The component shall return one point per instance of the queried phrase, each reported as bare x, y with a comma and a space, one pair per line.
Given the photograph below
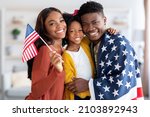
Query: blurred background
130, 17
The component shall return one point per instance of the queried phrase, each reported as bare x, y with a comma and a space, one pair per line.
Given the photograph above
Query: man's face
93, 25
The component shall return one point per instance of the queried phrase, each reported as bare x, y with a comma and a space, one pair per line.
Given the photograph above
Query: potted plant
15, 32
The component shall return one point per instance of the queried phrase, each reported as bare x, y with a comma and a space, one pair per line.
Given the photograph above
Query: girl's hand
112, 31
56, 61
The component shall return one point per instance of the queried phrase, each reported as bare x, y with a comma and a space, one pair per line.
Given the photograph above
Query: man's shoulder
116, 38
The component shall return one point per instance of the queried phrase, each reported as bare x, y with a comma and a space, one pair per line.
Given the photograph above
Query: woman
44, 70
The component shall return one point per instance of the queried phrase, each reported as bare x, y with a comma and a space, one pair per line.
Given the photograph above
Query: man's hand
78, 85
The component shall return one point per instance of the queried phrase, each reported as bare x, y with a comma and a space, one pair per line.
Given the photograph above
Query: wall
69, 5
136, 7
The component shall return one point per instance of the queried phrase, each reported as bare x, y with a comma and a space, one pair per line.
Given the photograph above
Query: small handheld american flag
29, 49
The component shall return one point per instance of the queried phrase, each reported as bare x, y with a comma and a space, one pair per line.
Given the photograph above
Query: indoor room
129, 17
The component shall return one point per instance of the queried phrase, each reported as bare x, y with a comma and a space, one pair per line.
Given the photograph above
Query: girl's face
75, 33
55, 25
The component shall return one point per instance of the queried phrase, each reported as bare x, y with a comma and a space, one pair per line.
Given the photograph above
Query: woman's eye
51, 24
62, 20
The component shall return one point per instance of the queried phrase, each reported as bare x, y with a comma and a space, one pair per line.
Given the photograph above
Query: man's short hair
90, 7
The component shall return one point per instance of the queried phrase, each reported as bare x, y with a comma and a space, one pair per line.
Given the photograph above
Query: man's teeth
93, 33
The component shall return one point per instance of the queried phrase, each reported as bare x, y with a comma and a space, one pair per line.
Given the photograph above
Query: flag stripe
31, 41
29, 49
32, 35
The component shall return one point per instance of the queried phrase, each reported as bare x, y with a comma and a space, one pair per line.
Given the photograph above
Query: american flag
29, 49
118, 74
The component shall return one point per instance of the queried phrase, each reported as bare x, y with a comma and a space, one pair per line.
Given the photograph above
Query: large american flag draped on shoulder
118, 74
29, 49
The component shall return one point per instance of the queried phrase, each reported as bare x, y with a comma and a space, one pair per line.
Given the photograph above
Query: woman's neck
58, 45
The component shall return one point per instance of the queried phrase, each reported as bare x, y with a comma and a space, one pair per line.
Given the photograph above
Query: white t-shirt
82, 64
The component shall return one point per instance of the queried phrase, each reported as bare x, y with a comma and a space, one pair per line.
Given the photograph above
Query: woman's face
55, 25
75, 33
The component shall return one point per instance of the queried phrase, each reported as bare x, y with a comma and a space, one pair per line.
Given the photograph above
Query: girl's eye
71, 31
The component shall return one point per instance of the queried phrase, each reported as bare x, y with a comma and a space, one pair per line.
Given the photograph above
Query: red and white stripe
30, 39
30, 50
136, 93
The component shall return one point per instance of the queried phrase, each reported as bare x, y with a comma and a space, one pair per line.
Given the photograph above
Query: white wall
69, 5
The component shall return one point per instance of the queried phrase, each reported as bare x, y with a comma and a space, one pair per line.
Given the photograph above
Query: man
117, 74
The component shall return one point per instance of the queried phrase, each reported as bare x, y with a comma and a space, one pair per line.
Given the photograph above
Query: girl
47, 78
77, 58
78, 63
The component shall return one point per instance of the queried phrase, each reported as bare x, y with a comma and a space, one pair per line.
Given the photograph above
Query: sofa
15, 85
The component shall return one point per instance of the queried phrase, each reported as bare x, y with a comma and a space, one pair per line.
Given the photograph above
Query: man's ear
105, 20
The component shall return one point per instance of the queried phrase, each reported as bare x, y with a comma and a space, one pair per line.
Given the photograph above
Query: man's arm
78, 85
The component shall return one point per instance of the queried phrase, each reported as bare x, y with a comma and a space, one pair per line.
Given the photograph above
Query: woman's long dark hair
41, 30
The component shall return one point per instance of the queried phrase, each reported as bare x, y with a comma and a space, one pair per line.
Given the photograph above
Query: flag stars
117, 66
106, 57
98, 84
111, 79
128, 85
125, 62
123, 42
120, 36
125, 52
107, 36
116, 57
106, 88
111, 41
104, 77
137, 70
131, 63
102, 71
101, 64
123, 72
104, 48
101, 96
119, 83
109, 72
130, 74
131, 53
135, 57
114, 48
115, 93
109, 63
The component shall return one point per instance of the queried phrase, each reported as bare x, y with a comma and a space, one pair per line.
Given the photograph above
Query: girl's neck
73, 47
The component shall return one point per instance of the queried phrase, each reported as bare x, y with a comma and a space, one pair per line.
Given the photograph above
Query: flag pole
59, 65
45, 43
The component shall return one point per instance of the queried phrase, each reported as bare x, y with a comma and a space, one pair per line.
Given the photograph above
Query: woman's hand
56, 61
112, 31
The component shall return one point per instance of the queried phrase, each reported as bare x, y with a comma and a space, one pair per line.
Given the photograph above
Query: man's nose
90, 27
